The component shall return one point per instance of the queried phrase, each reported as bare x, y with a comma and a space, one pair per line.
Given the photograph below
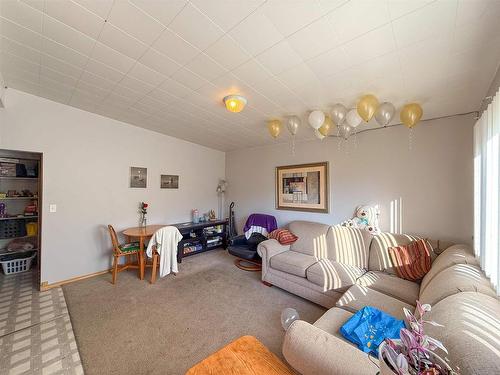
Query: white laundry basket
17, 265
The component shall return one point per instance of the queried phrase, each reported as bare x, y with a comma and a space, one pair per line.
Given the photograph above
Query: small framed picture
138, 177
169, 181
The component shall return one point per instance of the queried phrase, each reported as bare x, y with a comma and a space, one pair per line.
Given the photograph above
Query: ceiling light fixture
235, 103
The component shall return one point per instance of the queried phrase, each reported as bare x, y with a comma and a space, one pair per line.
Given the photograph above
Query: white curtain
487, 191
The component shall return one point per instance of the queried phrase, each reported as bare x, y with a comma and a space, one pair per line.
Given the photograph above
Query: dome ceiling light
235, 103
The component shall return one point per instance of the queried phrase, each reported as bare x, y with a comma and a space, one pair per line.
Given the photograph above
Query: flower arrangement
414, 353
143, 210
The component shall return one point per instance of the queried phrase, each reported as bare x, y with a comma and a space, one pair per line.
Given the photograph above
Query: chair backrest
114, 240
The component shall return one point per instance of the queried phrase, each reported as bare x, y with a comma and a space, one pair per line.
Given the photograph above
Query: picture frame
303, 187
138, 177
169, 181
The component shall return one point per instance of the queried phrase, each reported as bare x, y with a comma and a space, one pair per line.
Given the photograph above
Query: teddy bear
366, 218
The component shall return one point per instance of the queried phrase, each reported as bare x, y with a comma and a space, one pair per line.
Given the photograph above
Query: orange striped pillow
283, 236
411, 261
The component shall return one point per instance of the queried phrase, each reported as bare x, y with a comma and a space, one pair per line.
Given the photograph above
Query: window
487, 191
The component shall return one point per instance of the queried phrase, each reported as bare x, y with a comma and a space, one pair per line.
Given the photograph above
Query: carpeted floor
134, 327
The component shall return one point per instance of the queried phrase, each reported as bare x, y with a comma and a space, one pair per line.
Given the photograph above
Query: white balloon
288, 316
316, 119
339, 111
318, 134
293, 123
353, 118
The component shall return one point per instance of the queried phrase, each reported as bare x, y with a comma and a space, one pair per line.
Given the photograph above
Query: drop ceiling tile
82, 101
147, 75
358, 17
225, 13
36, 4
21, 14
163, 11
123, 89
23, 85
63, 53
227, 53
330, 62
399, 8
60, 66
298, 75
55, 95
136, 85
112, 58
121, 98
20, 34
473, 34
205, 67
434, 20
12, 72
20, 50
159, 62
290, 16
279, 57
97, 81
189, 79
149, 105
163, 97
314, 39
370, 45
61, 33
58, 77
18, 63
75, 16
135, 22
122, 42
99, 7
204, 34
54, 85
95, 92
102, 70
175, 88
253, 74
256, 33
175, 47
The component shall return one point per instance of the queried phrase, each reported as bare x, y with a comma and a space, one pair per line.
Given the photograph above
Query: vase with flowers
413, 353
143, 210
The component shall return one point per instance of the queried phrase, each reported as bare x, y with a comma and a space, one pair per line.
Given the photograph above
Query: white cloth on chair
165, 240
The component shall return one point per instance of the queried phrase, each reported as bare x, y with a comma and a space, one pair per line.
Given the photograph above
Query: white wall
434, 179
86, 173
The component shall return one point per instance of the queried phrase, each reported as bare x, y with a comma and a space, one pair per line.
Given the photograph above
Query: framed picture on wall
138, 177
302, 187
168, 181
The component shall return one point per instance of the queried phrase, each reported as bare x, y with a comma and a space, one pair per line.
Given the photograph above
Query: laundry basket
17, 263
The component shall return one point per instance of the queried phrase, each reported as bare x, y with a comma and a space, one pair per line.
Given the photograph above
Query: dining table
142, 234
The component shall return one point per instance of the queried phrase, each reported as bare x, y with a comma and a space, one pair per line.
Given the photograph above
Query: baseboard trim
46, 286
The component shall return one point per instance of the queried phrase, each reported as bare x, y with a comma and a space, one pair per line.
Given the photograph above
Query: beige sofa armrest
312, 351
267, 249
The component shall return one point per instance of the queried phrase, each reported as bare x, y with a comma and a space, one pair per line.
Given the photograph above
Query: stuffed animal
366, 218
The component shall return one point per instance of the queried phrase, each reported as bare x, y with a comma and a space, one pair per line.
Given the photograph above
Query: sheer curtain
487, 191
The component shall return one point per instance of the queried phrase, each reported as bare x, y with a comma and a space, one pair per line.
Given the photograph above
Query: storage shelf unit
18, 218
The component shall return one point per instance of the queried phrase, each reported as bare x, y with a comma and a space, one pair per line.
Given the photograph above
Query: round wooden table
141, 233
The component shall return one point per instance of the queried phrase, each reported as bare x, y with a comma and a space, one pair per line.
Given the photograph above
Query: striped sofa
345, 269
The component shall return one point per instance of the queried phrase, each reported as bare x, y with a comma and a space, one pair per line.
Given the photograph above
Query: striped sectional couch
345, 269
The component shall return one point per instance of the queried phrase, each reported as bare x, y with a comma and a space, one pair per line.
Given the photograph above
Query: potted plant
413, 353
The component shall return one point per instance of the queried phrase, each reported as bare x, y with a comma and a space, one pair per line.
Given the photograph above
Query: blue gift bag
369, 327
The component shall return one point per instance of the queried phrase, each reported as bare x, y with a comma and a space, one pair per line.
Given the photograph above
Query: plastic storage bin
17, 263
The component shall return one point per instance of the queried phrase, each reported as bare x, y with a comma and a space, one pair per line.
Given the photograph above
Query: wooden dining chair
125, 250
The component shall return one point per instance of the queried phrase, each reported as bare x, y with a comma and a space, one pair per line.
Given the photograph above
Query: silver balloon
345, 130
385, 113
293, 123
338, 114
288, 316
353, 119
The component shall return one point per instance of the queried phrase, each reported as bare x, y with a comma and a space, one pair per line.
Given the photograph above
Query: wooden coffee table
244, 356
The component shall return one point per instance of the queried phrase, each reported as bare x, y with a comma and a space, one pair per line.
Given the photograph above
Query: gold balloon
367, 106
274, 127
327, 125
411, 114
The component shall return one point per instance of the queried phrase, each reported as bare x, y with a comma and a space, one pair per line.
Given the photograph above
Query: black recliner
245, 251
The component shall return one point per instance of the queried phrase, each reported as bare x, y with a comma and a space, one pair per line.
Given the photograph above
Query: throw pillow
283, 236
411, 261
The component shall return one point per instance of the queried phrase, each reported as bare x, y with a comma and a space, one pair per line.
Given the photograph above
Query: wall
86, 170
2, 91
434, 179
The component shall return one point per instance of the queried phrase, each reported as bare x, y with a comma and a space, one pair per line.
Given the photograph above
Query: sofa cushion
456, 254
312, 238
348, 245
455, 279
292, 262
332, 320
404, 290
471, 331
357, 297
333, 275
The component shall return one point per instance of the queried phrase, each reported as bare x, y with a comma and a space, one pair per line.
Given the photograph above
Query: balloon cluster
347, 121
